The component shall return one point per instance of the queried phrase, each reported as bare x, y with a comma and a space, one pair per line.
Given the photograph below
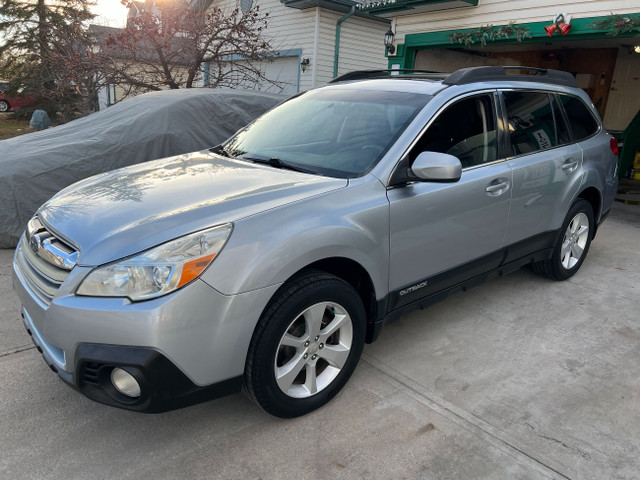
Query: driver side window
466, 129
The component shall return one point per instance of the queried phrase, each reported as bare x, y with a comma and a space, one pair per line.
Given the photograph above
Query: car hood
129, 210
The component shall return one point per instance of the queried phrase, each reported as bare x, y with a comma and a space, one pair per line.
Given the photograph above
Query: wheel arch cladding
593, 196
357, 276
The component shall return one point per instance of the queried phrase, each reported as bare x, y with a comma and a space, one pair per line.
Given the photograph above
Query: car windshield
340, 133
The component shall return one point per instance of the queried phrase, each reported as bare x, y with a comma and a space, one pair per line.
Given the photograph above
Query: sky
110, 12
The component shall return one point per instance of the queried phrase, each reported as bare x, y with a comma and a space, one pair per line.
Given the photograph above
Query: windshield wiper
219, 149
276, 163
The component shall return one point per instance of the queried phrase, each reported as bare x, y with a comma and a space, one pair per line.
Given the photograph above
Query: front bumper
163, 386
184, 347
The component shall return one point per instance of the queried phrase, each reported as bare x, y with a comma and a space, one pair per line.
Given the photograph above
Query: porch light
388, 41
304, 63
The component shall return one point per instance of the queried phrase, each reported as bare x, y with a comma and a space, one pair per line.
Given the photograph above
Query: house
582, 37
142, 69
315, 40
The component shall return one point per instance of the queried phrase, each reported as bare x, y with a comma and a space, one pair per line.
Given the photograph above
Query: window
466, 129
563, 133
336, 132
530, 122
580, 117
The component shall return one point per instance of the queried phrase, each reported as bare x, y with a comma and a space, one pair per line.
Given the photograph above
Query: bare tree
174, 48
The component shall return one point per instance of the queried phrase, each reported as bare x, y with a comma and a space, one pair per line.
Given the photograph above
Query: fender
268, 248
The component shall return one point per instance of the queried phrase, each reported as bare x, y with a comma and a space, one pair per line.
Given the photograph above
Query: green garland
488, 33
617, 24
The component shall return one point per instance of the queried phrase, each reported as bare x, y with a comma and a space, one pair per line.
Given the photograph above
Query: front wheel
306, 345
4, 106
572, 246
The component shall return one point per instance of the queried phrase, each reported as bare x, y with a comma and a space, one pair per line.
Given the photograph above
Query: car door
547, 169
443, 233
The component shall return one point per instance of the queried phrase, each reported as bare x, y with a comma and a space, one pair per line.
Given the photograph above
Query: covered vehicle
34, 167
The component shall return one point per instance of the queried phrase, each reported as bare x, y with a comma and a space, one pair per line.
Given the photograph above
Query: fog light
125, 383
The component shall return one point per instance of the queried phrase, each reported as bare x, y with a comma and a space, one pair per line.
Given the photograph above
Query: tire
306, 345
4, 106
572, 244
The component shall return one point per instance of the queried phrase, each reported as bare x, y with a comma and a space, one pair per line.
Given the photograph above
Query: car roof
426, 87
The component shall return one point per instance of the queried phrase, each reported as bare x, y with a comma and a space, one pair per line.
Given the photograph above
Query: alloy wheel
313, 349
574, 241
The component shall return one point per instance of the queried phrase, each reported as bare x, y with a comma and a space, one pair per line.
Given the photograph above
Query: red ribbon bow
563, 28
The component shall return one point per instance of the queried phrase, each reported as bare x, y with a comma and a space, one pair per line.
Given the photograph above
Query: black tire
4, 106
282, 315
554, 267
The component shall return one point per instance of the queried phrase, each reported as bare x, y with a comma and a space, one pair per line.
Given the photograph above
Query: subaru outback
267, 262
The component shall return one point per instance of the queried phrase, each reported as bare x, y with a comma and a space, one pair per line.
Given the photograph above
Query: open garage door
624, 96
607, 70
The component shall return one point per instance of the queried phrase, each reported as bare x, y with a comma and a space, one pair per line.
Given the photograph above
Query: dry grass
12, 128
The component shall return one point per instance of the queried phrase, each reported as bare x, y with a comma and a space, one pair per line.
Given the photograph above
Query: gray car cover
35, 166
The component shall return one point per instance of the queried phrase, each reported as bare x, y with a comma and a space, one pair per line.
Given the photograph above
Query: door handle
496, 189
570, 165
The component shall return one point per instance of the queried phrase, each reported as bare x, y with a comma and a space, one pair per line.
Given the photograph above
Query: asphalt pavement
521, 377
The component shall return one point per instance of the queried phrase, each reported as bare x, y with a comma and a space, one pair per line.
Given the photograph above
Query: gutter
336, 55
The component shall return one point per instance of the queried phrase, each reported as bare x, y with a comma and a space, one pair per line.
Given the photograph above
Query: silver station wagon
267, 262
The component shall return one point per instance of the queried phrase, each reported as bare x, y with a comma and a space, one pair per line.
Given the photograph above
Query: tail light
613, 144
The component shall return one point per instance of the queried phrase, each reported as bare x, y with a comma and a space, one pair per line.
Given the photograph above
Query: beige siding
499, 12
361, 44
287, 28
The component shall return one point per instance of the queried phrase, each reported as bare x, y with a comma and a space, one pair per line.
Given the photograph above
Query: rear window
530, 122
582, 122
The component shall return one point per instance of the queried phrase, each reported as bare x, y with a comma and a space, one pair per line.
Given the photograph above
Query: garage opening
607, 69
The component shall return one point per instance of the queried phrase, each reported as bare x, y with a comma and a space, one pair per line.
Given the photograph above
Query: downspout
314, 59
336, 56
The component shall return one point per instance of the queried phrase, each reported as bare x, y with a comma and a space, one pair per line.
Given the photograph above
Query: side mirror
436, 167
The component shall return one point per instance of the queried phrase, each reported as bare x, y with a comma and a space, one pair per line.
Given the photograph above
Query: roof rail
484, 74
469, 75
402, 72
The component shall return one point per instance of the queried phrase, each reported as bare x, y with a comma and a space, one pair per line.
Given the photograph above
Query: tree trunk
41, 10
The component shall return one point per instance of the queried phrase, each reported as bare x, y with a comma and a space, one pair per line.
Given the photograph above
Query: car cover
34, 167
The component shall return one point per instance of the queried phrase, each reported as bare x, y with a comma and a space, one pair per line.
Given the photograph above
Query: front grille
37, 266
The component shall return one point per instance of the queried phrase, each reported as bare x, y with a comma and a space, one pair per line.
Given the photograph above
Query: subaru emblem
34, 243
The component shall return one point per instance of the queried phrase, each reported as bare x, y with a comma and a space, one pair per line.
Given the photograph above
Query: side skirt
464, 277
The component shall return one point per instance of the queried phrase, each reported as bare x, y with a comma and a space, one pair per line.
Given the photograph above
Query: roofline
391, 7
342, 6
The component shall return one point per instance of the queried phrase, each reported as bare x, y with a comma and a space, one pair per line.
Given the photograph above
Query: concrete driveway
519, 378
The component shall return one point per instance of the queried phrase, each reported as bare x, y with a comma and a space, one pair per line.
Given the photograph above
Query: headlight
160, 270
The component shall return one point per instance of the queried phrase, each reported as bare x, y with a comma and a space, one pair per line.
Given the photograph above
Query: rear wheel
571, 248
306, 345
4, 106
